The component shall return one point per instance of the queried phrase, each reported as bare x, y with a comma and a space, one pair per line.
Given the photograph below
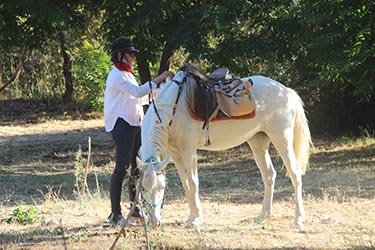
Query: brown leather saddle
219, 94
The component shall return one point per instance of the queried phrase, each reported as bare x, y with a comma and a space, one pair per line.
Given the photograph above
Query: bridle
150, 96
179, 84
151, 206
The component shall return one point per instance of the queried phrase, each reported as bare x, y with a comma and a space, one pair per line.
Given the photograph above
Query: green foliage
340, 38
34, 25
41, 79
22, 215
323, 49
90, 71
30, 23
81, 237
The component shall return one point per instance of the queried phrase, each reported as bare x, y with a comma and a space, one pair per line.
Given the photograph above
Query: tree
169, 25
30, 24
337, 44
341, 43
12, 50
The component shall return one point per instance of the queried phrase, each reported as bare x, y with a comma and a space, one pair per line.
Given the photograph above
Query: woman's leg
124, 137
134, 174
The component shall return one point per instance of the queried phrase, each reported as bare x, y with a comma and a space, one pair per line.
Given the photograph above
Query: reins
150, 206
178, 96
153, 102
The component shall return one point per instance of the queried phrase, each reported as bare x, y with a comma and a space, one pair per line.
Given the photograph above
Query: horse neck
154, 132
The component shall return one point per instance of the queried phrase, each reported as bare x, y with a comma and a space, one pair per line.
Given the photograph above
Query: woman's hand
161, 78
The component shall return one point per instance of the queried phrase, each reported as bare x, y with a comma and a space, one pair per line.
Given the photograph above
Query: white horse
169, 129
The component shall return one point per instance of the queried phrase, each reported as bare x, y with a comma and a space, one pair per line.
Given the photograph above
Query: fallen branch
134, 204
85, 185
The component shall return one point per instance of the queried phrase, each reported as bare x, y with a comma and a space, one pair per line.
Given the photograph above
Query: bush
22, 215
91, 67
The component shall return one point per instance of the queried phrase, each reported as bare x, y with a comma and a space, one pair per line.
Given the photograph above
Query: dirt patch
37, 167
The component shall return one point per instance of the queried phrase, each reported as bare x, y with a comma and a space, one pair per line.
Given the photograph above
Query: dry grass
37, 167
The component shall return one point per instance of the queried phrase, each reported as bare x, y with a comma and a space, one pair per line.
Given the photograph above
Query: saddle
219, 94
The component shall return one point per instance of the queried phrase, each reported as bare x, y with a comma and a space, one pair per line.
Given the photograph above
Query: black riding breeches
127, 143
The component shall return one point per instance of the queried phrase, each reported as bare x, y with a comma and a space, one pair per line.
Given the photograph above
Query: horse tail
302, 137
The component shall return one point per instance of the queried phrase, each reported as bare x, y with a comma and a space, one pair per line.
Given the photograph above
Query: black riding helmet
121, 44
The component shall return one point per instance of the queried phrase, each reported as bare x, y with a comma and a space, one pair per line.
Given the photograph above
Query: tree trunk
67, 70
1, 68
143, 70
165, 58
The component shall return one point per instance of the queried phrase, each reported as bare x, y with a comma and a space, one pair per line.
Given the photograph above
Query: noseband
149, 204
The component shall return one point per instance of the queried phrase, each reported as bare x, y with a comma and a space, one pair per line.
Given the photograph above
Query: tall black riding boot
115, 192
132, 190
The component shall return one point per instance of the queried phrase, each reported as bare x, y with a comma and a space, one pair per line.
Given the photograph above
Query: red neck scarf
123, 66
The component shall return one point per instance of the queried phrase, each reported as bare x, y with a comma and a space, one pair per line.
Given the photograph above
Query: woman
123, 114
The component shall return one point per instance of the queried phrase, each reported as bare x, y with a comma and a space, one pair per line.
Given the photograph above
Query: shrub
90, 70
22, 215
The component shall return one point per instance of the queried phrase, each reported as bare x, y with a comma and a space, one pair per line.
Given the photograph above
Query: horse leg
186, 164
259, 144
284, 146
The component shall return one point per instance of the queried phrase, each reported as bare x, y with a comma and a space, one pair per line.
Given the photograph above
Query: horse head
153, 184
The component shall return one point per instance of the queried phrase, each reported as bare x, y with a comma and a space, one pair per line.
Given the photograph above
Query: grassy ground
38, 181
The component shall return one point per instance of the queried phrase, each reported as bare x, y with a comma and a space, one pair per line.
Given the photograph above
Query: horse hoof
193, 227
262, 218
193, 224
298, 223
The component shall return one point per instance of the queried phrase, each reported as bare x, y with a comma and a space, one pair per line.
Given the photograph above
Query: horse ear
161, 165
140, 164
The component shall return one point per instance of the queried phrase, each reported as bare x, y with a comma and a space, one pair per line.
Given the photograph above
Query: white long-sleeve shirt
124, 98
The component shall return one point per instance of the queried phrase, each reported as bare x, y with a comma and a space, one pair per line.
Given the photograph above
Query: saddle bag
235, 99
236, 105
